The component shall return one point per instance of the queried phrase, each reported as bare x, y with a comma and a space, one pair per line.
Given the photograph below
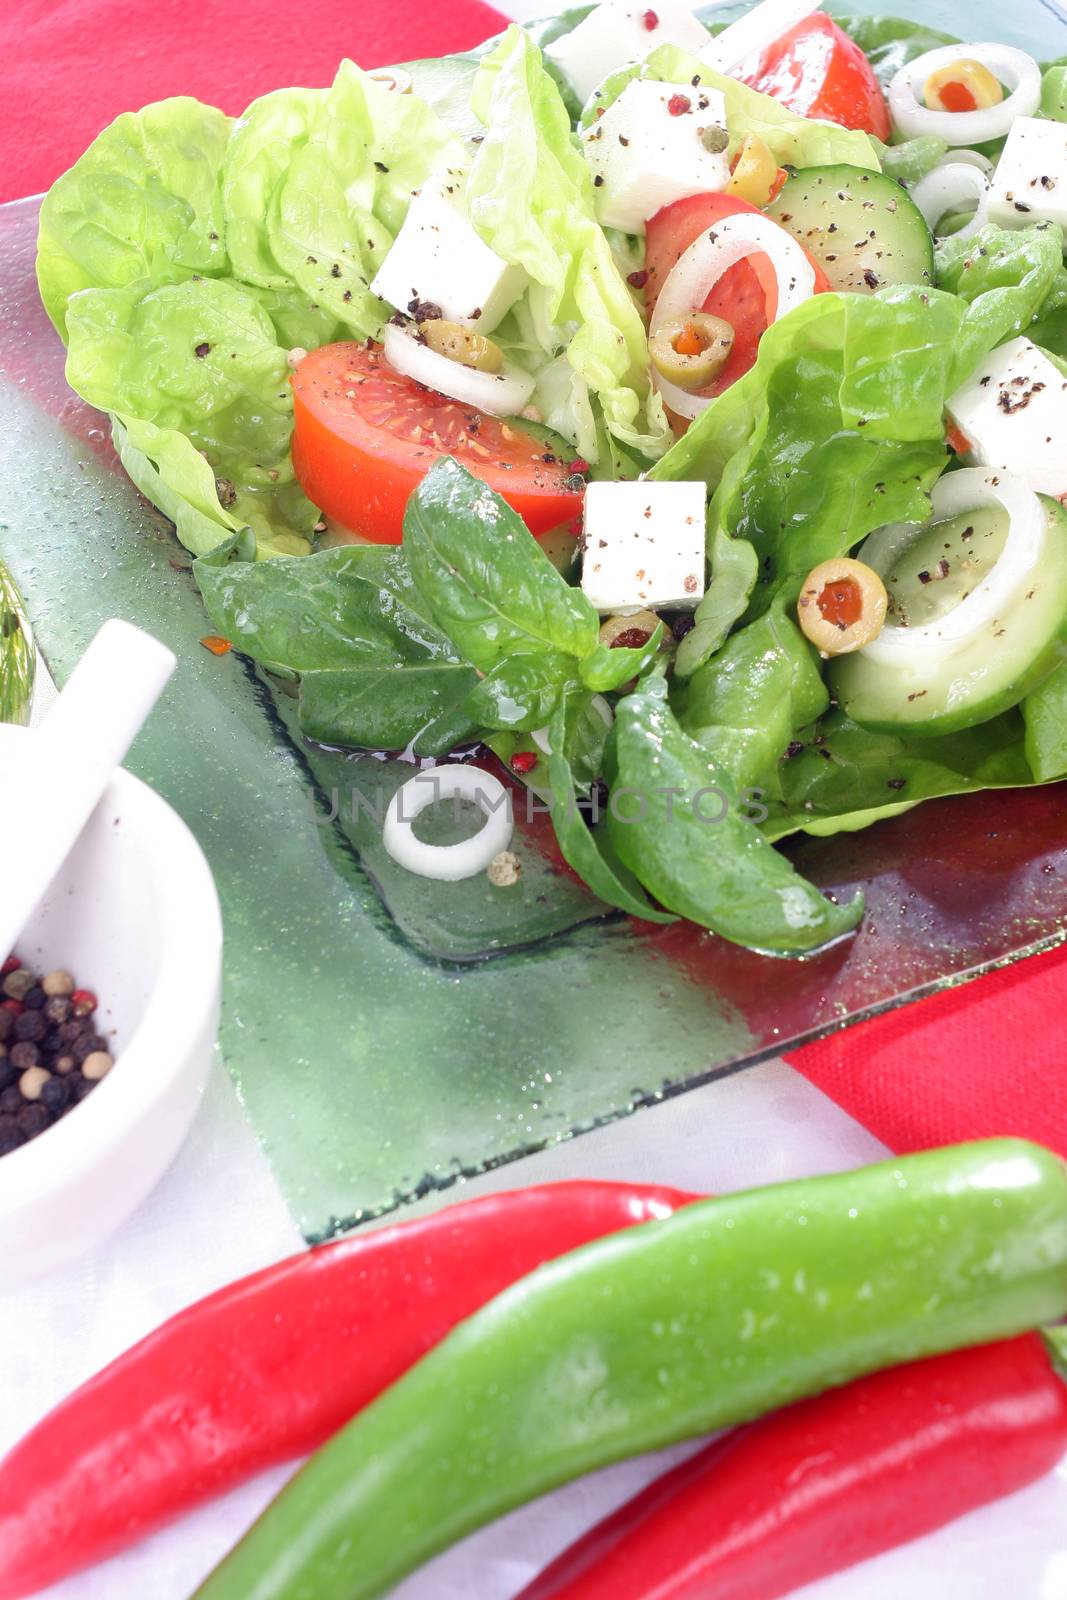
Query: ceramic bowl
134, 916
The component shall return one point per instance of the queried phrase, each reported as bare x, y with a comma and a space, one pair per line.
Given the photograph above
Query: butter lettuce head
185, 254
530, 195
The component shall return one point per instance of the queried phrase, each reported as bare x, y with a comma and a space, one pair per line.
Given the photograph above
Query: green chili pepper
730, 1308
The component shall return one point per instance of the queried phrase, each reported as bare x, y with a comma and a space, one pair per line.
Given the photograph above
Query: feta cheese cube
617, 32
1013, 413
648, 150
439, 257
643, 545
1030, 183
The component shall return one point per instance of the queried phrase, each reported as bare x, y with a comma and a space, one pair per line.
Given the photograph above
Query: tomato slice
365, 436
816, 70
746, 295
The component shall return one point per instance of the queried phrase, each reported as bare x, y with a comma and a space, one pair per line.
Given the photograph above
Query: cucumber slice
928, 573
863, 229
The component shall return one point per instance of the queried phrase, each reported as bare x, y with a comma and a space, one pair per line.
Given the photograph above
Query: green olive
462, 344
691, 351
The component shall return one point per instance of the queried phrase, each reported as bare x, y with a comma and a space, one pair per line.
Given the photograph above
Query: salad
678, 411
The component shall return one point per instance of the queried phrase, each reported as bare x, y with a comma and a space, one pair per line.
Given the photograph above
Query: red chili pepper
816, 1488
270, 1367
523, 761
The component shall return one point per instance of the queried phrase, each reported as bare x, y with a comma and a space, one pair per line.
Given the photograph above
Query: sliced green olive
842, 606
691, 351
462, 344
632, 631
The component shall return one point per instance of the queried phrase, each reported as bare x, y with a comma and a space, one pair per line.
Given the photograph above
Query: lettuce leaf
141, 205
530, 194
795, 141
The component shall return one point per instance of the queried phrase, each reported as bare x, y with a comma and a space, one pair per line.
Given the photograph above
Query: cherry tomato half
816, 70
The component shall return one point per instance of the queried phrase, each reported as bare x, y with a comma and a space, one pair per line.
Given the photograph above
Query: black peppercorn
80, 1087
23, 1055
33, 1119
34, 998
11, 1100
85, 1045
55, 1096
31, 1025
8, 1075
7, 1022
11, 1135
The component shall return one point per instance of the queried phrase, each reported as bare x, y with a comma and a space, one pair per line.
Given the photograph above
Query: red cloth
67, 67
983, 1059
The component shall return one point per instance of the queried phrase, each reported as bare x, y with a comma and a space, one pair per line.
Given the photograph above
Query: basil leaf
676, 820
745, 704
589, 852
490, 586
421, 705
322, 611
734, 570
520, 692
610, 666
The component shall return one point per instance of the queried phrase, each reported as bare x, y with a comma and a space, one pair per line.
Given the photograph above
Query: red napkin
70, 66
983, 1059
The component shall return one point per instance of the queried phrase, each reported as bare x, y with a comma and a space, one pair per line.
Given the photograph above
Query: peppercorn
33, 1119
34, 998
11, 1136
55, 1095
97, 1065
32, 1082
11, 1100
8, 1075
23, 1055
64, 1064
57, 1007
82, 1087
84, 1002
58, 985
30, 1025
18, 983
86, 1045
7, 1022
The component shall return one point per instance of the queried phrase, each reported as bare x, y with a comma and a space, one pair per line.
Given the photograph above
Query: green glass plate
387, 1035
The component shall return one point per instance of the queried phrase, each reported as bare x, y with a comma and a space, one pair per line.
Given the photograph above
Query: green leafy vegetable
845, 777
1044, 714
375, 669
588, 850
141, 206
610, 666
530, 194
744, 706
678, 822
491, 587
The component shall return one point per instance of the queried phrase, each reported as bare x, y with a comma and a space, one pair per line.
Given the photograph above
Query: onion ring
698, 270
448, 862
501, 394
948, 189
1013, 67
955, 493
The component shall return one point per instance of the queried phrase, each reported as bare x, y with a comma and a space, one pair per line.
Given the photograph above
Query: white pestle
69, 761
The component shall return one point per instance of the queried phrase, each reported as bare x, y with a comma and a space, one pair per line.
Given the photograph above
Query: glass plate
387, 1035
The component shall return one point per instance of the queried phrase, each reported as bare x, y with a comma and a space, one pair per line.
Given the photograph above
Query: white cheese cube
1030, 183
617, 32
648, 150
643, 545
439, 257
1013, 413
